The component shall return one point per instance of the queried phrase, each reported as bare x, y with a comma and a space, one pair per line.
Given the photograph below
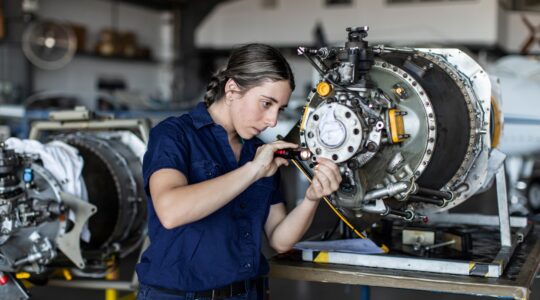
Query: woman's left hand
325, 181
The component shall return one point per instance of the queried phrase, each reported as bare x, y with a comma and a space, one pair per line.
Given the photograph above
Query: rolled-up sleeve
167, 149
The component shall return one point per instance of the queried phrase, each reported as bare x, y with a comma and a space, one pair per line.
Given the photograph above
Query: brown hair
249, 66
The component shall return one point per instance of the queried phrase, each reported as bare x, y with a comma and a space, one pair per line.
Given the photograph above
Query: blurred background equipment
51, 101
121, 44
5, 132
48, 44
2, 21
108, 43
37, 236
533, 35
519, 78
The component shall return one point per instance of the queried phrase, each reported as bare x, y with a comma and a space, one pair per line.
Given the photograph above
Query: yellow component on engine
304, 118
22, 275
397, 129
324, 88
497, 122
67, 274
111, 294
400, 91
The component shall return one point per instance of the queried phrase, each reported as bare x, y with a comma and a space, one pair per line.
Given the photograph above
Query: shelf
164, 5
117, 58
159, 5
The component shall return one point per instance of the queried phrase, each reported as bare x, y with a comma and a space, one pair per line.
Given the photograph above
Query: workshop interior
430, 109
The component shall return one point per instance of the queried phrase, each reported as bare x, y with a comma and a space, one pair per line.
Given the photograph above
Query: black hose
400, 213
416, 198
436, 193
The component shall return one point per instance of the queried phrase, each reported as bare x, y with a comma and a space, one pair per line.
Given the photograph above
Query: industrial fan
49, 45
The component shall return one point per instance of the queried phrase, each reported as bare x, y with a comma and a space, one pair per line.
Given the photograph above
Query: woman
214, 189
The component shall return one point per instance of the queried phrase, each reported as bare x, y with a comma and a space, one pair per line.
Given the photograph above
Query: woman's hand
265, 162
325, 181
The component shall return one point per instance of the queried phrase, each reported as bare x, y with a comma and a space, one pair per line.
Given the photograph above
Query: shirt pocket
203, 170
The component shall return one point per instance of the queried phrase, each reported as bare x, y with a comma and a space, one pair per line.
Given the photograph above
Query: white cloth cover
128, 138
64, 163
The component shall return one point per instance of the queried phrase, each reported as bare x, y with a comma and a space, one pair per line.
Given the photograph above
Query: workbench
514, 283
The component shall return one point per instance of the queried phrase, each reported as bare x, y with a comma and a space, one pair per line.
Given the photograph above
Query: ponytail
215, 88
249, 66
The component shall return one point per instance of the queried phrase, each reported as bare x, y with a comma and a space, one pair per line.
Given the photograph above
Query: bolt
353, 164
372, 147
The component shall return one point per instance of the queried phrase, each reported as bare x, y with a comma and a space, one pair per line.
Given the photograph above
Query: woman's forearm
293, 227
189, 203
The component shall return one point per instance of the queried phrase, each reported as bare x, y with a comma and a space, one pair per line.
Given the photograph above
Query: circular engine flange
334, 131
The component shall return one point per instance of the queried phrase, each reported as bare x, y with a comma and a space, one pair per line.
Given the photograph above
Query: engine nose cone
332, 133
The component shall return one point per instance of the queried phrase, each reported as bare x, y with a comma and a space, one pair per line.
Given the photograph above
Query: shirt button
247, 234
247, 266
242, 205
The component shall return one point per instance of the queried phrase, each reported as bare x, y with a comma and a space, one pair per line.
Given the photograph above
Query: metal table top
515, 283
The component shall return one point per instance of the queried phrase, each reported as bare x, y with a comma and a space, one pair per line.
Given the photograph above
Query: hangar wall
80, 76
248, 21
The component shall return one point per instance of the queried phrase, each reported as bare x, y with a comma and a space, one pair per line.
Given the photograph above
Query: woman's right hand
265, 163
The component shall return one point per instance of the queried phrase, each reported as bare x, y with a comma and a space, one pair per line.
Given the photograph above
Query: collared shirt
223, 247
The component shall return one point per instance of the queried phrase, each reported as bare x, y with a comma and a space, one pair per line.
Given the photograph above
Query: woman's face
258, 108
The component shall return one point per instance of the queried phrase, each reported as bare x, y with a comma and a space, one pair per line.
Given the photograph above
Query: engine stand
495, 268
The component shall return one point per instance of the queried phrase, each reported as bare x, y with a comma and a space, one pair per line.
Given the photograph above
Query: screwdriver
298, 153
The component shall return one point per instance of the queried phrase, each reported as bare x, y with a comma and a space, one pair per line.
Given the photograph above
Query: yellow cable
383, 247
343, 218
330, 203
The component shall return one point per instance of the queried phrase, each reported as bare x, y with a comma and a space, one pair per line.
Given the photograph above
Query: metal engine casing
408, 127
32, 213
36, 233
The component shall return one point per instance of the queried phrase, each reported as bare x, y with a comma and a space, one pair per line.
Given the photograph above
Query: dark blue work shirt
223, 247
